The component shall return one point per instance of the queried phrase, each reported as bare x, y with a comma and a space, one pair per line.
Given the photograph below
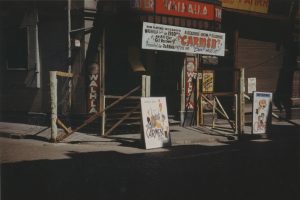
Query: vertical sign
155, 122
190, 76
262, 109
251, 85
208, 81
93, 89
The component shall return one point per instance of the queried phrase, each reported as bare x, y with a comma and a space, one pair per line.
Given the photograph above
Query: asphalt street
264, 168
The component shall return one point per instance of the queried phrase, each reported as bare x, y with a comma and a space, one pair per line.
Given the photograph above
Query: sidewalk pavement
179, 135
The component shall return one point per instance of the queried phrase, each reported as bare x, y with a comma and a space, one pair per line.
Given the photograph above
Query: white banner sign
179, 39
155, 122
261, 109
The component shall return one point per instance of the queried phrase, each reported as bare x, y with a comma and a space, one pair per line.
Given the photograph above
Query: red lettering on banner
198, 41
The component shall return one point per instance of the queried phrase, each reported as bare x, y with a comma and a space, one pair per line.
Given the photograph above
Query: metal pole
53, 96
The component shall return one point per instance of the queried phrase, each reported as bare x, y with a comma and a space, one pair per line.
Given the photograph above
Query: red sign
191, 73
185, 8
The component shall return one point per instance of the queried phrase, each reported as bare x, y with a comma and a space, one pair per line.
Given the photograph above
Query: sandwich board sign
156, 132
262, 109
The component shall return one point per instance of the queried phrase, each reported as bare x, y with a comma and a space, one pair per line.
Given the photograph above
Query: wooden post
148, 86
236, 112
146, 81
144, 86
214, 113
103, 116
241, 102
53, 96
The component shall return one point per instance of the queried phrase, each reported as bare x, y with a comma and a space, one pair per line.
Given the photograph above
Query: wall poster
262, 109
156, 132
208, 81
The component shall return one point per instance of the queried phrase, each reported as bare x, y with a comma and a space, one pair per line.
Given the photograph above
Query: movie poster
262, 109
156, 132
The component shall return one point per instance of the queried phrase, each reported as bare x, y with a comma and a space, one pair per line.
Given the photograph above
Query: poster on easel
262, 109
156, 131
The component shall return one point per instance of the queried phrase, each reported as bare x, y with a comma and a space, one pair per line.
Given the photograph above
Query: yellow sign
208, 81
260, 6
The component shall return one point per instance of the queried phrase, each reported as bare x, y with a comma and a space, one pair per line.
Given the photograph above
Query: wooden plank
63, 126
226, 117
96, 115
64, 74
117, 97
121, 120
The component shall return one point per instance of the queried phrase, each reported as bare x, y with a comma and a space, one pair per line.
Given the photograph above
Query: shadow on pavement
244, 170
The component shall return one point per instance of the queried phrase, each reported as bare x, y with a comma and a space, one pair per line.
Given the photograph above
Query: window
21, 40
16, 43
22, 45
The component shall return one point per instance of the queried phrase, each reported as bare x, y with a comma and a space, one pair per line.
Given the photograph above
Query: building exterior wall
16, 95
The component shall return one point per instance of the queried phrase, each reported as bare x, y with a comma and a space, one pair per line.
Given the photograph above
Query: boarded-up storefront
261, 60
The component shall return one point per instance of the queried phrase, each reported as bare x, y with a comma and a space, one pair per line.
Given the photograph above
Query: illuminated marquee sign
179, 39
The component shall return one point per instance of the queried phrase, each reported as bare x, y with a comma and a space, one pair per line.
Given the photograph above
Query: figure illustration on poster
261, 108
155, 122
260, 112
157, 125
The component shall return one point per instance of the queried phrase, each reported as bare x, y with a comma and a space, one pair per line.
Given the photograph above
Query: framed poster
156, 132
208, 81
262, 109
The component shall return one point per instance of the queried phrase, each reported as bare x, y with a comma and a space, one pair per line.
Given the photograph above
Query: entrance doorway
166, 80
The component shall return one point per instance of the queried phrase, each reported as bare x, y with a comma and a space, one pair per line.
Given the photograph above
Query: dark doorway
166, 80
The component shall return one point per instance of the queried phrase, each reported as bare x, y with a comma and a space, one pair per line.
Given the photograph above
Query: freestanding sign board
179, 39
262, 109
156, 131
